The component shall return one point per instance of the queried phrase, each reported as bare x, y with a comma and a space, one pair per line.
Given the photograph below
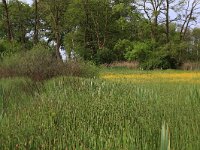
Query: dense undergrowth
40, 64
77, 113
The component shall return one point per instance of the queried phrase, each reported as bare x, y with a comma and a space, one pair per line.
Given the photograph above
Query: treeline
155, 33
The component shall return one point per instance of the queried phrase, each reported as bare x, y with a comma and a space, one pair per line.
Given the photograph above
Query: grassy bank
117, 113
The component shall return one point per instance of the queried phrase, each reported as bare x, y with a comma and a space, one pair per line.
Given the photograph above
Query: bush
160, 60
78, 68
121, 47
40, 64
9, 48
151, 56
139, 52
105, 55
190, 66
34, 63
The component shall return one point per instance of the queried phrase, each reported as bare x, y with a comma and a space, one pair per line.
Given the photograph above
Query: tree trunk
155, 28
189, 15
8, 24
57, 34
22, 35
167, 21
36, 23
58, 44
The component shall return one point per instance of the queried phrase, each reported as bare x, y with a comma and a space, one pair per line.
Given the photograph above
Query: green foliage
140, 51
118, 8
160, 60
178, 50
105, 56
21, 16
38, 53
87, 69
9, 48
121, 47
100, 31
72, 42
151, 56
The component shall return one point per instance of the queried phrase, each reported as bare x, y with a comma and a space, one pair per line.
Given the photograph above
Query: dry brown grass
43, 70
130, 65
4, 73
190, 66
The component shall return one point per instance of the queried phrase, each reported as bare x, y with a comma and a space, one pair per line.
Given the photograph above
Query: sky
28, 1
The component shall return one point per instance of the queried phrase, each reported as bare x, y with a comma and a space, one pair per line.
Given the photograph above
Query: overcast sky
28, 1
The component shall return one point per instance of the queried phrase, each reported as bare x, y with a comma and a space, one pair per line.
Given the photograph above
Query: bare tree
188, 12
167, 9
152, 9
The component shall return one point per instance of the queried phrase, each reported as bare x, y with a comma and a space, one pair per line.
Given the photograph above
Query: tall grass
76, 113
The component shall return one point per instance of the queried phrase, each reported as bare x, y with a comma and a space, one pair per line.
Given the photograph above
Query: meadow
121, 110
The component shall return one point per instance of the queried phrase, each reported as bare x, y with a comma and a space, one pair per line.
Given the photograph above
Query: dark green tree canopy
104, 31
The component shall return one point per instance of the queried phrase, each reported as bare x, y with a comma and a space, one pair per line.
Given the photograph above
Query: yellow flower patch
156, 76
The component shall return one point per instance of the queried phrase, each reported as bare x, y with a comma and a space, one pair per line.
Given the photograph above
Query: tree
53, 13
196, 42
99, 24
187, 11
7, 20
21, 20
88, 25
168, 6
36, 21
152, 10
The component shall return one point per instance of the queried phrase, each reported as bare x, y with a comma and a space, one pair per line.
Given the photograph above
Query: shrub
121, 47
160, 60
34, 63
77, 68
40, 64
139, 52
190, 66
105, 55
9, 48
151, 56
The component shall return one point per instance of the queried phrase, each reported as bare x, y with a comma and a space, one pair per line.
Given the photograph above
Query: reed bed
75, 113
